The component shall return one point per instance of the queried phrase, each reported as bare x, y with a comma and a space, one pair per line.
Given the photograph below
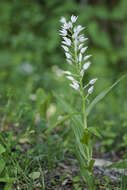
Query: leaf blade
99, 97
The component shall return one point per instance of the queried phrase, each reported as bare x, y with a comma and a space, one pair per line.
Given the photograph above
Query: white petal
67, 72
82, 39
87, 57
69, 25
63, 42
68, 56
80, 46
70, 78
76, 43
65, 26
90, 90
82, 73
84, 49
66, 43
63, 32
67, 40
80, 57
92, 81
78, 29
65, 48
73, 18
63, 20
75, 85
74, 35
86, 65
69, 61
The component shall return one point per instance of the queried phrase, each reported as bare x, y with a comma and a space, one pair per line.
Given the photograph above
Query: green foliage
102, 95
120, 165
5, 176
43, 101
30, 58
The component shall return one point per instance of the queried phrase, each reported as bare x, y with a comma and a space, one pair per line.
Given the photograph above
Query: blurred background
31, 59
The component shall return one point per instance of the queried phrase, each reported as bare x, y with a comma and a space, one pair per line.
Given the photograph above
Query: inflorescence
73, 45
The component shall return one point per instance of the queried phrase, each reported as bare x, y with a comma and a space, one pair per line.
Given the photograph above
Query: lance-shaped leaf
102, 95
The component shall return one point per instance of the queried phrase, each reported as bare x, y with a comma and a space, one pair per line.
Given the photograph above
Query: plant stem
83, 104
81, 88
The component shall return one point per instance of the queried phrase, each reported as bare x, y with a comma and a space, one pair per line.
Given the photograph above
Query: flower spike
75, 49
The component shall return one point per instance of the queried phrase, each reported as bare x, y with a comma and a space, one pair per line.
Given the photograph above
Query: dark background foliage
31, 56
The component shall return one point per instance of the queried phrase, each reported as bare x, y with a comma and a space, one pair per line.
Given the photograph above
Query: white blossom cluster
73, 45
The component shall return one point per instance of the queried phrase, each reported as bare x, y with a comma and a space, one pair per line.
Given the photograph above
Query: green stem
86, 173
83, 104
81, 89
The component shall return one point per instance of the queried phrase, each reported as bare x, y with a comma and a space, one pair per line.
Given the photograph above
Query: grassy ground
31, 159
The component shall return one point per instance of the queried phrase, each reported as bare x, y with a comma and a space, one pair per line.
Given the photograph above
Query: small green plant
73, 45
5, 180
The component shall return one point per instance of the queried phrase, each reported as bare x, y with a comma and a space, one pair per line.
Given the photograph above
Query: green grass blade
102, 95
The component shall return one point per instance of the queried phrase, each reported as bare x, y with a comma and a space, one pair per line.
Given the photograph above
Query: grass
36, 152
32, 159
31, 164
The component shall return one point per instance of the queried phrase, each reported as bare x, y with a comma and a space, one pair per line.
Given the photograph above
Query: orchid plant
75, 49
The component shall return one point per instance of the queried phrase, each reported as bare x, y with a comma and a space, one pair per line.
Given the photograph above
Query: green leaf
125, 138
94, 131
64, 118
86, 137
107, 142
8, 186
2, 165
119, 12
102, 12
34, 175
2, 149
76, 179
41, 95
102, 40
102, 95
91, 164
7, 179
120, 165
77, 127
42, 101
